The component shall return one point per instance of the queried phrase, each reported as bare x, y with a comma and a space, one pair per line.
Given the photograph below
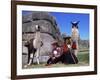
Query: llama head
75, 24
75, 31
37, 27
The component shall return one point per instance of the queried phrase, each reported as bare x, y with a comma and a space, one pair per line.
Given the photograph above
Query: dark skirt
66, 58
69, 58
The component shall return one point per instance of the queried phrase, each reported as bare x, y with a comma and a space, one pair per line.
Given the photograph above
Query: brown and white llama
34, 46
75, 36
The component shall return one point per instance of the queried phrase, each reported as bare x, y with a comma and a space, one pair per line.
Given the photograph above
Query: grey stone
48, 28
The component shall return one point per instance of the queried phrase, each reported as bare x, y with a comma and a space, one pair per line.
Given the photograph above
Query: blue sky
64, 22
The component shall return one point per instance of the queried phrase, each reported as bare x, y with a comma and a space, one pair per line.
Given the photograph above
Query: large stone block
48, 28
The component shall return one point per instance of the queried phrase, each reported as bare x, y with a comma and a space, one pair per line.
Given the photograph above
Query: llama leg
37, 56
34, 51
30, 61
28, 58
31, 58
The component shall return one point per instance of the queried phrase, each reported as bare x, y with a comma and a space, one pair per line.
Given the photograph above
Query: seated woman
55, 55
62, 54
68, 56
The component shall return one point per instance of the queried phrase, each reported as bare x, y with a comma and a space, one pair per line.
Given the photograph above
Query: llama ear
78, 22
71, 22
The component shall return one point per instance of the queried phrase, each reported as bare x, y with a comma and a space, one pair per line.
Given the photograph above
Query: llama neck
37, 35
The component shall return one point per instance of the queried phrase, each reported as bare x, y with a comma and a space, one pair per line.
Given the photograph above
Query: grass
83, 58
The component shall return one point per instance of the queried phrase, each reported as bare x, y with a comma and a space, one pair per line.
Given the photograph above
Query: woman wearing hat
55, 55
68, 57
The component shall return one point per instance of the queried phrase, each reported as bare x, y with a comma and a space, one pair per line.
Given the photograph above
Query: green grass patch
83, 58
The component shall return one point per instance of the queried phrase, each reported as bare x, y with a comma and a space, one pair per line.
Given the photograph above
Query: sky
64, 22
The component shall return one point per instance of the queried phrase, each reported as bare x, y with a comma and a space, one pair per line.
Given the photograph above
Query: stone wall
48, 28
